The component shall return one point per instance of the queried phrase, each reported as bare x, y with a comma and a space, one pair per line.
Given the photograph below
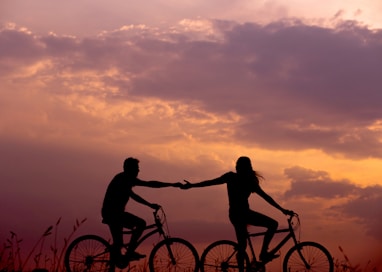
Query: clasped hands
184, 186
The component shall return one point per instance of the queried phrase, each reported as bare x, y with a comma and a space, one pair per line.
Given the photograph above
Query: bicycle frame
222, 255
290, 235
157, 228
93, 253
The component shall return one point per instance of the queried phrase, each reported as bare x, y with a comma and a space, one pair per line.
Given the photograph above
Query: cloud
362, 203
286, 85
309, 183
367, 208
186, 100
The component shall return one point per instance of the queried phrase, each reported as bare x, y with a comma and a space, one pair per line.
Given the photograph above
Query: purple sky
300, 95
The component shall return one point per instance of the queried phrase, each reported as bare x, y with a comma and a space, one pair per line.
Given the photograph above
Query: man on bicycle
114, 215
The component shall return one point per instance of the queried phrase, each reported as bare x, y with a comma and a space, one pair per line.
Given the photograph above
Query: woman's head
243, 165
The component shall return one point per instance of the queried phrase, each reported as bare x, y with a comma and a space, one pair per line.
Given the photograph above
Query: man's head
131, 166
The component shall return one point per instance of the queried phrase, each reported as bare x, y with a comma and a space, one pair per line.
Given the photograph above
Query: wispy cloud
306, 87
361, 203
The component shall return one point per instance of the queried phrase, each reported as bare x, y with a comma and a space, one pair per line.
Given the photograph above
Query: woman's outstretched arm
205, 183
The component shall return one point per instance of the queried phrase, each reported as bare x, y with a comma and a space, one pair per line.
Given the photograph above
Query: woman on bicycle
240, 185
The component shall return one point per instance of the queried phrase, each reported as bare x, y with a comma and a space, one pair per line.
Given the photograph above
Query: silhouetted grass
140, 267
11, 257
345, 265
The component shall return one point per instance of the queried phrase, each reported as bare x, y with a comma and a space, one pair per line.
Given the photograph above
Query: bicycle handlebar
294, 214
290, 218
156, 210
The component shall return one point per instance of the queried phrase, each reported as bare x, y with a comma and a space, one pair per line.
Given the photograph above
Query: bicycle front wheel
221, 256
88, 253
308, 256
174, 254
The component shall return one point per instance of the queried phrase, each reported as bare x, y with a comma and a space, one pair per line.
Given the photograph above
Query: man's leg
116, 233
137, 225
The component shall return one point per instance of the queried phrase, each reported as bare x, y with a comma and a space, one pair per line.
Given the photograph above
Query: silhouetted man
117, 195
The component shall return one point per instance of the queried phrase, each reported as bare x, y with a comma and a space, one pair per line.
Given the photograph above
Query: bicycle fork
299, 247
307, 265
170, 253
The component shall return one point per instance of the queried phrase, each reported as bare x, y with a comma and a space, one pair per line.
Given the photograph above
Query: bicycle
302, 256
92, 252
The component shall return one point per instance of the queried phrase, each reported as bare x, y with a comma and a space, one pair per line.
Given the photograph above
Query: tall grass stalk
54, 247
346, 266
10, 256
40, 242
66, 242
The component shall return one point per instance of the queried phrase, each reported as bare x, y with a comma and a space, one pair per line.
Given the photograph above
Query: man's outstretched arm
157, 184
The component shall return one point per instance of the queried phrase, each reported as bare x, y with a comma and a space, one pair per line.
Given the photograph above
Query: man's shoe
267, 257
122, 262
136, 256
256, 266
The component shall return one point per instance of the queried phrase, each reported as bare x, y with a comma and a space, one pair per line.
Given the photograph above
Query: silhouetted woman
240, 185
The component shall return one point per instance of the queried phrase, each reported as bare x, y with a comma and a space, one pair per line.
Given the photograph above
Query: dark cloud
363, 204
309, 183
18, 44
295, 86
367, 208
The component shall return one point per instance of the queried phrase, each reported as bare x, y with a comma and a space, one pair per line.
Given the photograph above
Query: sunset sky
187, 87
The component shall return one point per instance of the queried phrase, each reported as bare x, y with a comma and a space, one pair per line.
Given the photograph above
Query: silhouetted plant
346, 266
54, 247
10, 253
10, 257
58, 262
40, 242
142, 267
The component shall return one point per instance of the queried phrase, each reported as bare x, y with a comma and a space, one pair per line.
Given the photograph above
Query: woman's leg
261, 220
241, 235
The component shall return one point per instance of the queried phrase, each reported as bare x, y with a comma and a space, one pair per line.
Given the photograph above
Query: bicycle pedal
135, 256
269, 257
257, 266
122, 264
258, 269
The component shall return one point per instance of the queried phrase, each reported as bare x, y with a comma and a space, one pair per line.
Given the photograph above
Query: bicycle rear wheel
174, 254
308, 256
221, 256
88, 253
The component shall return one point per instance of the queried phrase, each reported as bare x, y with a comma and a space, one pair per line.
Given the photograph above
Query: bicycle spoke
176, 255
308, 256
88, 253
221, 256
